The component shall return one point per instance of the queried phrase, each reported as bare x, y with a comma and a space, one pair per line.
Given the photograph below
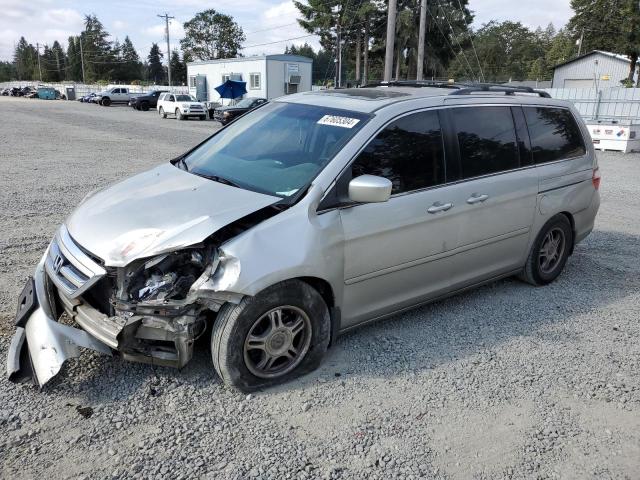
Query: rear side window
486, 139
409, 152
554, 134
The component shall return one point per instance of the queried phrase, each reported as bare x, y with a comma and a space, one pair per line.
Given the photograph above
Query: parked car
6, 92
226, 114
87, 98
181, 106
146, 100
112, 96
307, 217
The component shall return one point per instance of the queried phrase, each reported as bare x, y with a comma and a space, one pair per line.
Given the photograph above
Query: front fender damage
40, 348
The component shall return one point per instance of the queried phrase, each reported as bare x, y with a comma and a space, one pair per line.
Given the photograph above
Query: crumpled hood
157, 211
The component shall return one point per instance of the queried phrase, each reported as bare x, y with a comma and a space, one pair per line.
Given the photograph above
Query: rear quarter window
554, 134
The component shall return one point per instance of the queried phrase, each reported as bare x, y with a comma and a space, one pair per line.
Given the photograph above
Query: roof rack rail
493, 87
413, 83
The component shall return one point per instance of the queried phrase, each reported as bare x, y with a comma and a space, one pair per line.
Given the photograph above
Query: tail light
595, 178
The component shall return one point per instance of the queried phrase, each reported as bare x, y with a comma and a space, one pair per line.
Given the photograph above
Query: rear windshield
276, 149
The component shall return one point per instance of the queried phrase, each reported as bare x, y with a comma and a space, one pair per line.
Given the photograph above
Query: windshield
244, 103
185, 98
276, 149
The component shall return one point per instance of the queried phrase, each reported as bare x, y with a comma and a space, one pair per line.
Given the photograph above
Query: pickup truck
113, 95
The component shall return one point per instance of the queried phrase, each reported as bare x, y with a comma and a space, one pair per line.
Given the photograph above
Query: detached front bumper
41, 345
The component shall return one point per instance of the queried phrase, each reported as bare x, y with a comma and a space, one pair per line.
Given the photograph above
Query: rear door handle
439, 207
477, 198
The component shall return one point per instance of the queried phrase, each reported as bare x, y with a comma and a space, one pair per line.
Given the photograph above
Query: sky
266, 22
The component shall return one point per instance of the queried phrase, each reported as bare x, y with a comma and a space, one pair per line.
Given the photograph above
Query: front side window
486, 140
277, 149
554, 134
409, 152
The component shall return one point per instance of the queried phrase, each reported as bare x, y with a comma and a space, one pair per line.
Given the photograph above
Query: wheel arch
572, 222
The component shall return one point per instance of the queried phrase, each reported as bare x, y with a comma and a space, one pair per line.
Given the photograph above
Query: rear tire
281, 333
549, 252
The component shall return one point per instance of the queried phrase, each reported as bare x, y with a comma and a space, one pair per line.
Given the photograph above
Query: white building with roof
267, 76
596, 69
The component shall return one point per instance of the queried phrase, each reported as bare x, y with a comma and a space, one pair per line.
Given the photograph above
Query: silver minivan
309, 216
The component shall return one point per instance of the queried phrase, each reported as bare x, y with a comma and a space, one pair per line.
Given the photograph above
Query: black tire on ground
162, 113
234, 323
106, 102
535, 271
145, 106
179, 115
202, 117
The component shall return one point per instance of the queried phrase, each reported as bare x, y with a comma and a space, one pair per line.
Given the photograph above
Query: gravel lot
507, 381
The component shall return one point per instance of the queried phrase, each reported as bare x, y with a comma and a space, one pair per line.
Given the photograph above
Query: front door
396, 252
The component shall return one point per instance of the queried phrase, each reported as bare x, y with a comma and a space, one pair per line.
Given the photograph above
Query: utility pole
81, 58
581, 40
39, 69
421, 35
166, 19
391, 34
338, 59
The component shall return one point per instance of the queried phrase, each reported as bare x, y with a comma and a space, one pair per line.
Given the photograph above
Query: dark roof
617, 56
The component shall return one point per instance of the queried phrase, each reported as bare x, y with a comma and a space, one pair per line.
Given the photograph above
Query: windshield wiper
182, 164
218, 178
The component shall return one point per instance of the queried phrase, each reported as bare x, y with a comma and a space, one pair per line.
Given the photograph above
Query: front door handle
477, 198
439, 207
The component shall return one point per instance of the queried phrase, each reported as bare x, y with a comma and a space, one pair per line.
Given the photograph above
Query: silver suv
309, 216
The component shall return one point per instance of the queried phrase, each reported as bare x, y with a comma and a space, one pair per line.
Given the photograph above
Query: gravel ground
507, 381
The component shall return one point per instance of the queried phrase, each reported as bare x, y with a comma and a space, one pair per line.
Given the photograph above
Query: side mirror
370, 189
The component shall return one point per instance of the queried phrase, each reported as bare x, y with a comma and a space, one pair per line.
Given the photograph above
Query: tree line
92, 56
497, 51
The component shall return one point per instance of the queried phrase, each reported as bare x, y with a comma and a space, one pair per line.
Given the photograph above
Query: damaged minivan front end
147, 301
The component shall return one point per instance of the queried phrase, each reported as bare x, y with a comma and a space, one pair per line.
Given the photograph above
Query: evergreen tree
25, 59
97, 49
74, 66
7, 71
60, 61
210, 35
178, 69
155, 69
132, 68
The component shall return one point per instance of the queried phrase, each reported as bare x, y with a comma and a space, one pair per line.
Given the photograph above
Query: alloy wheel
277, 342
551, 250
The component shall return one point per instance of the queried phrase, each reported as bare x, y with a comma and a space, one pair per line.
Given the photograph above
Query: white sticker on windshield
337, 121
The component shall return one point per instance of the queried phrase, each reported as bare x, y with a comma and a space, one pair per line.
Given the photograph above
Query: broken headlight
167, 277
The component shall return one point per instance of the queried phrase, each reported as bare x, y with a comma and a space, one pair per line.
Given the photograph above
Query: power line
453, 33
435, 21
471, 38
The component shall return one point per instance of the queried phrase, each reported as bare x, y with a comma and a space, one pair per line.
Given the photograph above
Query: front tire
106, 102
179, 115
144, 107
279, 334
549, 252
203, 117
162, 113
